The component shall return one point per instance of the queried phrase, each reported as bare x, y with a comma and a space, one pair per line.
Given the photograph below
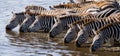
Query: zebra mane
33, 7
107, 3
107, 19
46, 15
30, 13
20, 13
83, 20
67, 5
90, 20
106, 26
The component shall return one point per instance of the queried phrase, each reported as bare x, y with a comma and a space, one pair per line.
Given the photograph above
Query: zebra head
71, 33
36, 25
97, 42
81, 37
56, 28
27, 22
15, 20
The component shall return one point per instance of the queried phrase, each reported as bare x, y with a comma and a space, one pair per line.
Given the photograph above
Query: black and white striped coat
86, 31
43, 22
16, 20
106, 33
104, 13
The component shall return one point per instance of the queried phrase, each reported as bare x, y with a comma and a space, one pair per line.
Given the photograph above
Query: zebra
86, 29
51, 12
62, 23
65, 6
72, 5
104, 13
78, 1
74, 29
30, 18
34, 7
102, 35
16, 20
42, 22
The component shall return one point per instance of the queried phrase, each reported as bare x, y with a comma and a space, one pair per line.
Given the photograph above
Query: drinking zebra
104, 13
30, 18
34, 7
64, 22
104, 34
16, 20
42, 22
86, 30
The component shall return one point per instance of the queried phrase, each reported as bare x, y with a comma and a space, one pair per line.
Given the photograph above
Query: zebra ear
51, 7
63, 2
27, 15
12, 12
94, 32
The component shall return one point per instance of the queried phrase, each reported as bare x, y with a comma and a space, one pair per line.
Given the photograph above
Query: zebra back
72, 5
66, 6
107, 26
50, 12
105, 4
34, 7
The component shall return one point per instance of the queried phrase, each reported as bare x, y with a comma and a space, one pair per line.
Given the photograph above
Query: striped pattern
50, 12
104, 13
104, 34
33, 7
87, 32
63, 22
16, 20
43, 22
30, 18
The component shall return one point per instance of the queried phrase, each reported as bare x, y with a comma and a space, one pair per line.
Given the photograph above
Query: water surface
14, 43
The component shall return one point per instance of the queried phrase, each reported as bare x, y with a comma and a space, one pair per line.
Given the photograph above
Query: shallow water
14, 43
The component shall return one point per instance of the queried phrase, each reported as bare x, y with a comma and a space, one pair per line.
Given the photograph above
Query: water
14, 43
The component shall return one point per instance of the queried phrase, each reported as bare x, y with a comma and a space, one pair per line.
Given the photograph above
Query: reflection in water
38, 44
41, 44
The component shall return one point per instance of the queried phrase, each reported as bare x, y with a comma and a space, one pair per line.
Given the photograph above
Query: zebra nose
65, 41
30, 30
8, 28
22, 30
92, 49
77, 44
51, 36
